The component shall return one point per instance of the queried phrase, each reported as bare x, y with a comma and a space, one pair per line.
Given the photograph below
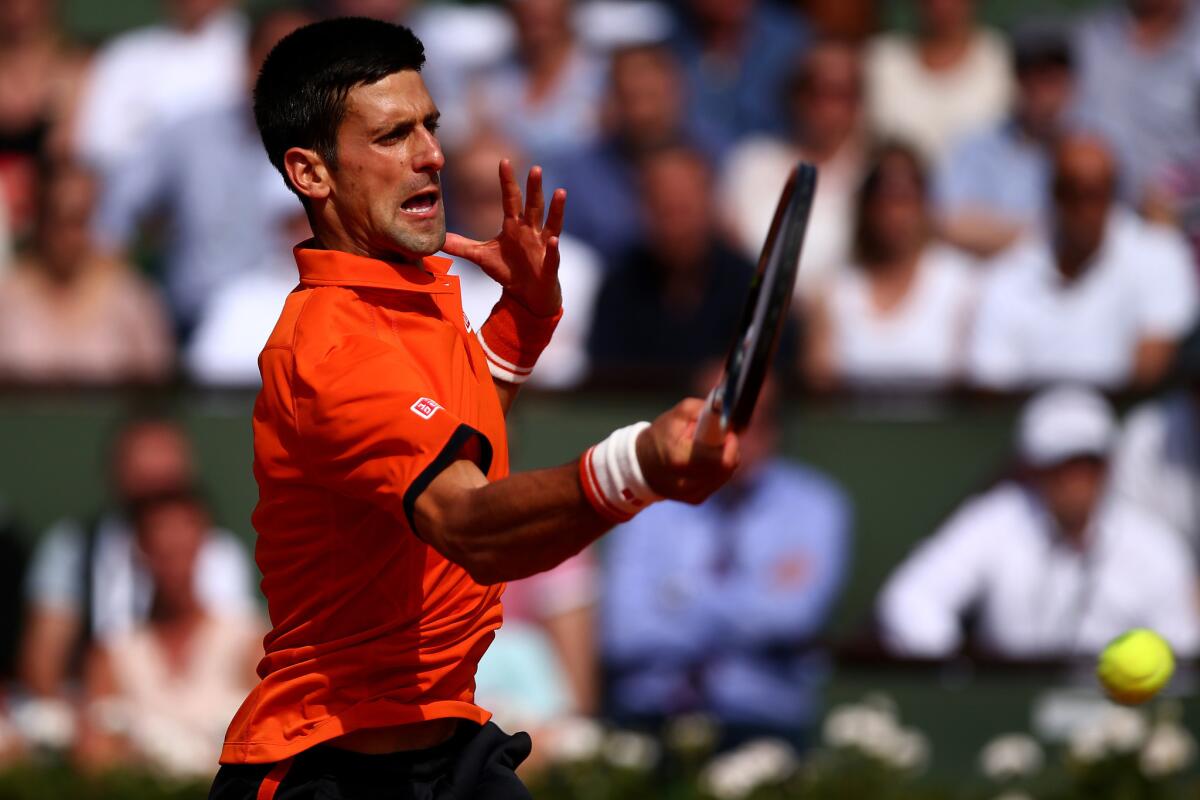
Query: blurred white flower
45, 723
691, 732
1170, 749
739, 772
575, 739
1118, 730
872, 728
630, 750
1014, 755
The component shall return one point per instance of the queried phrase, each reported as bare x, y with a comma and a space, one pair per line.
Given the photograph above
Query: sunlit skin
382, 198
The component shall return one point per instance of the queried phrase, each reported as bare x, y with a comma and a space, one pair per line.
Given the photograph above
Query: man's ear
307, 172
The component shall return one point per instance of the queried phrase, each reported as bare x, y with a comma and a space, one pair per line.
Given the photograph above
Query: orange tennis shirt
372, 385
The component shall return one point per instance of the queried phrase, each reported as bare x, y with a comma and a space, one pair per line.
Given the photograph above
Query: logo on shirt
425, 408
467, 323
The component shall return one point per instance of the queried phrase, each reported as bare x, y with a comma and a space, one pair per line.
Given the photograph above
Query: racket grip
709, 430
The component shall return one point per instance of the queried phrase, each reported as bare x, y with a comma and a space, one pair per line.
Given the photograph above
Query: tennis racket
730, 405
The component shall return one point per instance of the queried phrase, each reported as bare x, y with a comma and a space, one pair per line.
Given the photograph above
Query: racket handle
709, 429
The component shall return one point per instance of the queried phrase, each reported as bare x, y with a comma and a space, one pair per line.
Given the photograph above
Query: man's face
828, 102
646, 98
1084, 183
678, 206
385, 190
170, 537
474, 188
149, 458
1045, 93
1072, 490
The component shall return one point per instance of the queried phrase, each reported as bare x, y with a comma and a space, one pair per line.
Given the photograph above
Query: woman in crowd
897, 317
71, 315
162, 694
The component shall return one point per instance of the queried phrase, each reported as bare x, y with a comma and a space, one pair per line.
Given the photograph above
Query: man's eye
432, 127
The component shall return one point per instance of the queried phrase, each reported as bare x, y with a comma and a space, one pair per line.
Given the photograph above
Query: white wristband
612, 477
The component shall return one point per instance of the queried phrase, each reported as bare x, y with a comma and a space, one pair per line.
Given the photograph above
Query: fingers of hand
510, 191
554, 220
550, 262
535, 201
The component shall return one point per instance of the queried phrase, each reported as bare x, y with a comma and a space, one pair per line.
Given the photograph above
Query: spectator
87, 582
953, 77
40, 74
545, 97
157, 74
1139, 83
826, 103
207, 170
1051, 567
721, 618
162, 694
71, 315
1157, 461
897, 317
642, 112
1102, 298
473, 210
994, 186
737, 56
560, 606
238, 319
673, 303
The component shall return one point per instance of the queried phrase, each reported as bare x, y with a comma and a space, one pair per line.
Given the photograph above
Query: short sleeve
1166, 289
56, 569
371, 428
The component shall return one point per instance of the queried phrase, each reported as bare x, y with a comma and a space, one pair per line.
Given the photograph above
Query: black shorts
477, 762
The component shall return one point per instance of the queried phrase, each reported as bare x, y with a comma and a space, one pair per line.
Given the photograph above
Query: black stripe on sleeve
448, 455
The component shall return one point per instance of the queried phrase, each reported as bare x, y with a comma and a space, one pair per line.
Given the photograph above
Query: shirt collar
336, 268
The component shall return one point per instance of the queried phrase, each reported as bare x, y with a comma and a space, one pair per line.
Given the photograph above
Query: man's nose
429, 156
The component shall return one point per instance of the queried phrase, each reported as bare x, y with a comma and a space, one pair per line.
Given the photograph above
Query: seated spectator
1138, 78
995, 185
161, 695
674, 303
896, 317
87, 582
719, 617
154, 75
1101, 298
1157, 461
40, 76
826, 105
473, 210
737, 57
953, 77
643, 111
1049, 565
206, 173
546, 96
238, 319
560, 605
71, 315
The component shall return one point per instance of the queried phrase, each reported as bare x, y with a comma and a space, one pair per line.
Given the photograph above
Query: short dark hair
300, 95
866, 248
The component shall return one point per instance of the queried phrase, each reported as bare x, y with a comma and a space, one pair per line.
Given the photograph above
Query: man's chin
415, 247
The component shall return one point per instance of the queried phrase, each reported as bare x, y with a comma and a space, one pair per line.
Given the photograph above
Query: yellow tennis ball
1135, 666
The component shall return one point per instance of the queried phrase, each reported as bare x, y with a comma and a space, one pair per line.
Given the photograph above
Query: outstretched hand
523, 256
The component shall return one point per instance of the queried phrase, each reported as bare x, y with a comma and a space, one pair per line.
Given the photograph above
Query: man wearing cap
1052, 565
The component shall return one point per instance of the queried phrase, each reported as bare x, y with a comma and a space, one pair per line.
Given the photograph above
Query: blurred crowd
1006, 211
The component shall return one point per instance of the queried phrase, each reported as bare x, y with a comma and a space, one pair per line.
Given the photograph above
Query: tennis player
387, 521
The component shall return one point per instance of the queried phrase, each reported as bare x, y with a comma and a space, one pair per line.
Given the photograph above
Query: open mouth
422, 204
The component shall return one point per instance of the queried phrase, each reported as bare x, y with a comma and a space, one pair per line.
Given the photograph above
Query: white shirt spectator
1037, 595
1033, 328
564, 362
930, 110
152, 76
918, 343
1157, 462
121, 590
237, 322
752, 179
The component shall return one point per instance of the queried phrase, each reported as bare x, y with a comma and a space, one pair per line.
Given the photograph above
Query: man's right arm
529, 522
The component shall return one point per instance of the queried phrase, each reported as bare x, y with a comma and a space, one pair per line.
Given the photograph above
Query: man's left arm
523, 258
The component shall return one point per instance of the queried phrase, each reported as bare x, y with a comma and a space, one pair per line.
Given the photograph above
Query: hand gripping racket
730, 405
